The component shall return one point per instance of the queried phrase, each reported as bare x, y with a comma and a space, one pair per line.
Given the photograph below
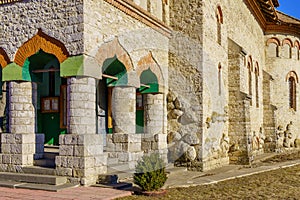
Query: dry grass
277, 184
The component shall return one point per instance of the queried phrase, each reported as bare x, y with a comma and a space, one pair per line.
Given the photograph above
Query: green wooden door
50, 127
140, 121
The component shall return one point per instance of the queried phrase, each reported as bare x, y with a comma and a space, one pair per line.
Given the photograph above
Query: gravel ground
278, 184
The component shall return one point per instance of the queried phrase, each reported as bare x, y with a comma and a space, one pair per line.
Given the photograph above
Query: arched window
250, 80
292, 79
220, 78
219, 16
273, 47
287, 46
292, 93
256, 86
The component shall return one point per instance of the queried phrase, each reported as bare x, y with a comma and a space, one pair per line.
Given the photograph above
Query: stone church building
204, 83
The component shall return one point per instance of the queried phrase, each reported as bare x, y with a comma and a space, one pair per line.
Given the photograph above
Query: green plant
150, 172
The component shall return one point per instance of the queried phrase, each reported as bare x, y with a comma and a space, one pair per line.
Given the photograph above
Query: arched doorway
114, 74
49, 95
149, 85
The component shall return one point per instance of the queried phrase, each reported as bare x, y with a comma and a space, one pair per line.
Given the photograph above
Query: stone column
154, 138
81, 151
123, 109
124, 142
18, 146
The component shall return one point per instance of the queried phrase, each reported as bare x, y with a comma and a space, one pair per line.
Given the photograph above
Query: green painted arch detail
72, 66
12, 72
113, 67
150, 79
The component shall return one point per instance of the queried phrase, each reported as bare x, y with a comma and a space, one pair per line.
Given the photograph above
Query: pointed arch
114, 49
148, 62
4, 59
43, 42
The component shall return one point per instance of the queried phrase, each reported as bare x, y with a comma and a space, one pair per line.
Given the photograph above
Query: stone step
118, 186
34, 186
33, 178
50, 155
52, 149
48, 163
38, 170
52, 188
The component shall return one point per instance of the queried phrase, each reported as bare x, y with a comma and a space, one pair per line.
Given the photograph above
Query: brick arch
4, 59
250, 63
114, 49
219, 14
147, 62
292, 74
287, 41
297, 44
41, 41
273, 40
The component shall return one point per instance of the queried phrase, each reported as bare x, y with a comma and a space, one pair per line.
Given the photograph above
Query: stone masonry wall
278, 68
62, 20
81, 151
133, 35
215, 88
185, 81
18, 146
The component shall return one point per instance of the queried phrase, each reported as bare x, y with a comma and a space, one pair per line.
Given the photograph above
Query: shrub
150, 172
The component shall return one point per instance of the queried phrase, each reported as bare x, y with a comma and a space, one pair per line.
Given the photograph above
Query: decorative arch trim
287, 41
256, 70
297, 44
292, 74
44, 42
219, 14
273, 40
4, 59
148, 62
114, 49
250, 63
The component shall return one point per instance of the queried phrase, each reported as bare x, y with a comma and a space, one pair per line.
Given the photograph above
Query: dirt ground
275, 185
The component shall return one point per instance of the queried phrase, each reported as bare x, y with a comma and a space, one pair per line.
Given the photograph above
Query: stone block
134, 138
58, 161
134, 146
6, 148
61, 171
120, 138
123, 157
66, 150
3, 167
70, 139
10, 138
6, 158
3, 138
101, 160
64, 161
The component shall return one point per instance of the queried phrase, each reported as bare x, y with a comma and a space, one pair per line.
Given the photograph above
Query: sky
290, 7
